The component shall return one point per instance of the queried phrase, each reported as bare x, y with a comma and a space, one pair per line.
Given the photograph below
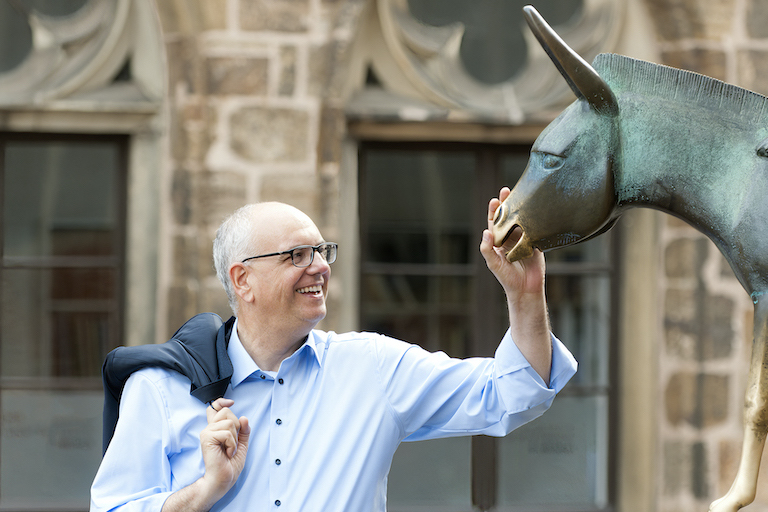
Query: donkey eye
552, 162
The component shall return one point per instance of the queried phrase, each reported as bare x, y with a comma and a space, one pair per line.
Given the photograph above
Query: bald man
311, 419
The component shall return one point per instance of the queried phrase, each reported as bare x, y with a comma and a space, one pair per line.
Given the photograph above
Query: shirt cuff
509, 359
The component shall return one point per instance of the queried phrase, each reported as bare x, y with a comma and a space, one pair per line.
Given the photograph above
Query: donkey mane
625, 74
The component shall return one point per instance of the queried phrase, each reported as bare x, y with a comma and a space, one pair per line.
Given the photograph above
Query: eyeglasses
303, 255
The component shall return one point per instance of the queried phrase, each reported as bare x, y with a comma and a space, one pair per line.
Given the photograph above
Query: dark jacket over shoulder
198, 350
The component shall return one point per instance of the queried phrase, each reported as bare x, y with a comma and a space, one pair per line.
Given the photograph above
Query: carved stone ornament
78, 56
423, 63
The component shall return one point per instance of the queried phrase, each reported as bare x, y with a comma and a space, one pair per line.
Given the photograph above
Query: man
312, 419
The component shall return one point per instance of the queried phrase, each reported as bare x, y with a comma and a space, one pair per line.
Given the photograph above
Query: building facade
130, 128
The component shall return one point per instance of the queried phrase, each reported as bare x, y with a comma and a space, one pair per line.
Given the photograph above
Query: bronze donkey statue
646, 135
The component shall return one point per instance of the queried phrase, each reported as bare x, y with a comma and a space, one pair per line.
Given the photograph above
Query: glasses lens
328, 252
302, 256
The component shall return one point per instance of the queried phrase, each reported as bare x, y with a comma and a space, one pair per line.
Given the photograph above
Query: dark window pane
60, 198
15, 37
57, 322
84, 284
560, 460
79, 343
50, 443
418, 206
443, 482
61, 273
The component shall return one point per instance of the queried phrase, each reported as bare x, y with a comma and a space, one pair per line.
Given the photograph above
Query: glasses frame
315, 249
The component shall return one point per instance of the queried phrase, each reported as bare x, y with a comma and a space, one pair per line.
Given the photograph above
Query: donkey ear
581, 77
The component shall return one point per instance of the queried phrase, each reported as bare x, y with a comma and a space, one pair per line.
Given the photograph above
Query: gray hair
233, 243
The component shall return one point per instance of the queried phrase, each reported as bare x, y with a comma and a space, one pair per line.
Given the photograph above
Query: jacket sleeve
433, 395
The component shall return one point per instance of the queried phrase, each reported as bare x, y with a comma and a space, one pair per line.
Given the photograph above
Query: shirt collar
243, 366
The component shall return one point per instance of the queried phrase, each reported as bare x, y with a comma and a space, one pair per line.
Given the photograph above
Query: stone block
191, 16
236, 75
757, 19
217, 195
185, 257
684, 257
183, 65
707, 62
270, 135
332, 128
182, 305
274, 15
680, 343
298, 190
694, 19
698, 326
181, 196
213, 299
326, 63
287, 82
716, 334
698, 399
680, 307
677, 463
753, 70
699, 474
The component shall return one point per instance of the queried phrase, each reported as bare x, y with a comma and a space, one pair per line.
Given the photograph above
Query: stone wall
254, 114
707, 316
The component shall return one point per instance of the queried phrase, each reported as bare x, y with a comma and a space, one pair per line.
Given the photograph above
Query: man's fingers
217, 406
225, 439
494, 203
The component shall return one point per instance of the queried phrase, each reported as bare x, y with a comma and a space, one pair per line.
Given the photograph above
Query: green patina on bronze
645, 135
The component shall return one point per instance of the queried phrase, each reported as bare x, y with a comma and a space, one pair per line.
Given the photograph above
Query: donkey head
566, 193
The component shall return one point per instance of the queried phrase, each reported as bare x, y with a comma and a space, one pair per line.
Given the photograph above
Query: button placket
279, 439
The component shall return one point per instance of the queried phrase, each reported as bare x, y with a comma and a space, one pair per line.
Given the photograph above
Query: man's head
271, 287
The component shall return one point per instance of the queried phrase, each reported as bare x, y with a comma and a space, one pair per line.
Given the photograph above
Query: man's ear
238, 275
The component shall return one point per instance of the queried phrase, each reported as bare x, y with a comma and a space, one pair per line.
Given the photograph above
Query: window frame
116, 262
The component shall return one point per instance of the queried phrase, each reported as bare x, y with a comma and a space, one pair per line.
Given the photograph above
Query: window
62, 218
422, 210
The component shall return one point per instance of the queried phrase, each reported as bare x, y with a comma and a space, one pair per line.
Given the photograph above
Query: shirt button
281, 381
278, 461
262, 376
279, 421
277, 503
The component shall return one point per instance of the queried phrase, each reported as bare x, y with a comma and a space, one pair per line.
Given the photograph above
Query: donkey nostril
500, 213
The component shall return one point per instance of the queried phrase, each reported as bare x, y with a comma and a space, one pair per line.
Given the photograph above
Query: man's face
292, 298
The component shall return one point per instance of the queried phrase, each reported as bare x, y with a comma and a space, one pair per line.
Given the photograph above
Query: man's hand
224, 443
520, 277
523, 282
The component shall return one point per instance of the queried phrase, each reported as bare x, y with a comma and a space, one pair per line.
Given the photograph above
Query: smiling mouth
315, 288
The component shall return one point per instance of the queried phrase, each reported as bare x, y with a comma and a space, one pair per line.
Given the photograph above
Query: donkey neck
702, 166
692, 162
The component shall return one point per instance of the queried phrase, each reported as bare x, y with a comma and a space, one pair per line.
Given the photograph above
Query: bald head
254, 229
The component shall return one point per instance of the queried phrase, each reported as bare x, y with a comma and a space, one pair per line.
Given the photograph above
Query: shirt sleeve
135, 472
433, 395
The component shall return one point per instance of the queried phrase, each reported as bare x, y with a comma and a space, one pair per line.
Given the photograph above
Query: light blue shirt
324, 428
